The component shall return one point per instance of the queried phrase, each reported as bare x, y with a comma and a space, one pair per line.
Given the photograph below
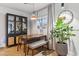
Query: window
42, 25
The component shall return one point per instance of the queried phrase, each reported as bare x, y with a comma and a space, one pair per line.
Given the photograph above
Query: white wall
3, 11
75, 24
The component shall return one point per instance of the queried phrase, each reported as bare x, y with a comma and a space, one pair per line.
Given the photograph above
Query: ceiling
25, 7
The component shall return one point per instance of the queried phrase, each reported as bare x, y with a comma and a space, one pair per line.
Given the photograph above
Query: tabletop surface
33, 36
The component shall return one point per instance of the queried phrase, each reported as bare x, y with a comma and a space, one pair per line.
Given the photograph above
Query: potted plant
62, 33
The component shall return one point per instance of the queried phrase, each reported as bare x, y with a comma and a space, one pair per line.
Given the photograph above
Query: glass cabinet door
10, 24
24, 25
18, 25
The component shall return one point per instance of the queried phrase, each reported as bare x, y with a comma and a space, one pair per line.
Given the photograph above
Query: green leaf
62, 31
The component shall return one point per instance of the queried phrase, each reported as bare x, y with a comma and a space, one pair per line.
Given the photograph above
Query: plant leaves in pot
61, 33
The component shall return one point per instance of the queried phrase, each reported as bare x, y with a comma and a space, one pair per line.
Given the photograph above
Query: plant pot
61, 49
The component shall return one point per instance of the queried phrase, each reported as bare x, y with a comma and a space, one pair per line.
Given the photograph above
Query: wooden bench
36, 45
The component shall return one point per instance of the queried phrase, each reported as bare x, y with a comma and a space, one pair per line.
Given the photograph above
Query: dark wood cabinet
15, 25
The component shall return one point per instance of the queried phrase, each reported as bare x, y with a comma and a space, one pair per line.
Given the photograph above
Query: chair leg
17, 48
27, 50
24, 49
20, 45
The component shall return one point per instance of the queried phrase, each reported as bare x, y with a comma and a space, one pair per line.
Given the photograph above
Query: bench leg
32, 52
42, 48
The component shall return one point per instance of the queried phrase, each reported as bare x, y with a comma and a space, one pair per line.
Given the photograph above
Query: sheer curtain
50, 25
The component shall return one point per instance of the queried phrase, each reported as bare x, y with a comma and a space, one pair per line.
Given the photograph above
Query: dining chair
21, 42
18, 38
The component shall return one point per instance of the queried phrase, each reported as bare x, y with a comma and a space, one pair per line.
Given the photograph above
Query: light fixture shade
33, 17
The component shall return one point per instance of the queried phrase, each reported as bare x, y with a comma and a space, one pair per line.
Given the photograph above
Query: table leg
27, 49
47, 46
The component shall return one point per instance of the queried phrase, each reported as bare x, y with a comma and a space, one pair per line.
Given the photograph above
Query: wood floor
13, 52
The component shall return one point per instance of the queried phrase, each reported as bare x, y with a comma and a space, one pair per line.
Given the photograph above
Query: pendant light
62, 5
33, 17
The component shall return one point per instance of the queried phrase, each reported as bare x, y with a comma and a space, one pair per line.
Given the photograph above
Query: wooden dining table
26, 39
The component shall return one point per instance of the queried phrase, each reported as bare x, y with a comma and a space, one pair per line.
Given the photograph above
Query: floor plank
13, 52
